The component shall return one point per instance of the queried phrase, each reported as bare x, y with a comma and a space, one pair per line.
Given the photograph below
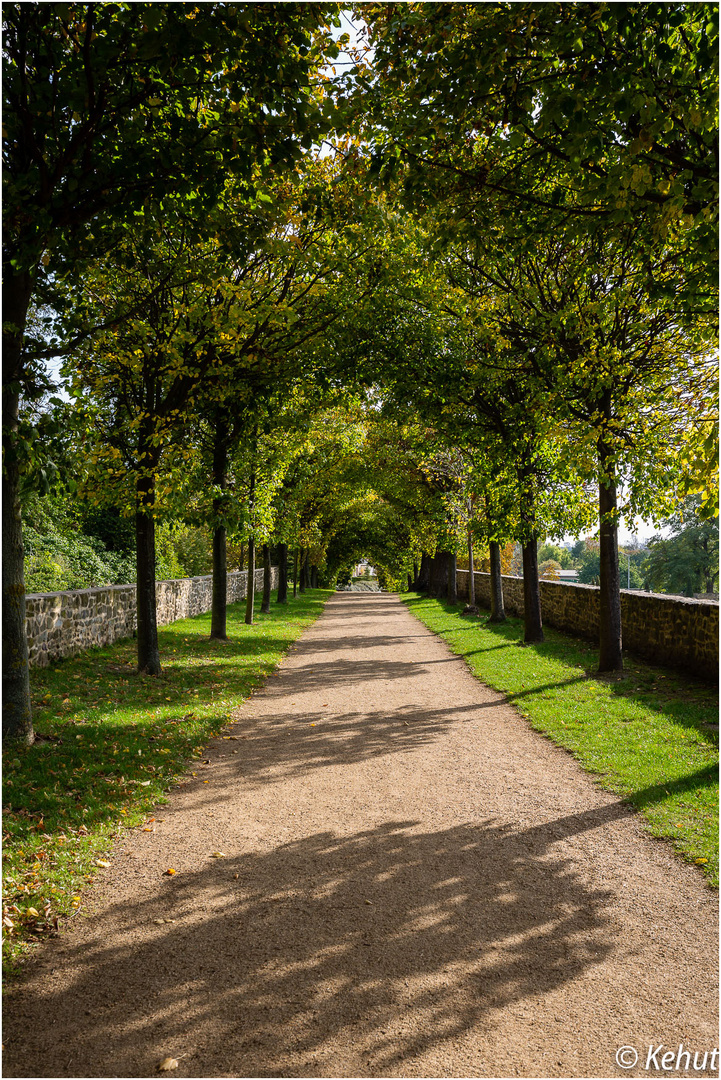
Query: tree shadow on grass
705, 777
636, 683
331, 955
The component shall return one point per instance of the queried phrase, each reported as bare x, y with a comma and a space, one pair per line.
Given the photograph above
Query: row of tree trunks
441, 579
452, 572
422, 581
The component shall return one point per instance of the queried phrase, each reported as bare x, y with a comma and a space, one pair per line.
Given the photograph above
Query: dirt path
415, 884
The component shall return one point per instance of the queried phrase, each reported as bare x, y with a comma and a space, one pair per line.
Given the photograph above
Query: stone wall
671, 630
66, 623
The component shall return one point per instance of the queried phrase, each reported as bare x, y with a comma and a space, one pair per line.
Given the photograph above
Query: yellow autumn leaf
167, 1064
218, 855
102, 862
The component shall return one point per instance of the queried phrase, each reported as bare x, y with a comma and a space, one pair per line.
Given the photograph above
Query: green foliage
587, 559
561, 555
193, 550
152, 100
549, 569
59, 556
687, 561
71, 545
601, 114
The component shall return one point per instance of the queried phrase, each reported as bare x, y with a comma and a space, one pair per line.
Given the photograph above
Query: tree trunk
433, 582
498, 610
282, 597
415, 575
219, 602
295, 572
441, 575
432, 575
17, 712
303, 569
533, 629
250, 586
610, 650
471, 573
451, 577
267, 573
148, 649
314, 577
424, 576
410, 583
250, 591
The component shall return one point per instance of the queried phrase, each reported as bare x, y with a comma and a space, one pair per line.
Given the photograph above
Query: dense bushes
69, 545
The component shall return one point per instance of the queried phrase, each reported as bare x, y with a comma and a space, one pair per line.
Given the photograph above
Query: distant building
363, 569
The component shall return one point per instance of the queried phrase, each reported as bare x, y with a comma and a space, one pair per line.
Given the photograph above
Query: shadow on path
389, 941
280, 746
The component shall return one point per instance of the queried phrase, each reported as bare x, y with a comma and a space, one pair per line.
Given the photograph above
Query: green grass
643, 733
112, 744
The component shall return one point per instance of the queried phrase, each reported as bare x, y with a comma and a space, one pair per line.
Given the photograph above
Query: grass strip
644, 733
111, 744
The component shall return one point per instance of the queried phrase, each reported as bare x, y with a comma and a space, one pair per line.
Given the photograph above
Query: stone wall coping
129, 585
669, 597
79, 592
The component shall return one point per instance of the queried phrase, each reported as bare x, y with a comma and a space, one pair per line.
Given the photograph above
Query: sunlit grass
644, 734
111, 744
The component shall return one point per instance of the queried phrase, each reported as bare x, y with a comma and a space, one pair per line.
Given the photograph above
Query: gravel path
414, 884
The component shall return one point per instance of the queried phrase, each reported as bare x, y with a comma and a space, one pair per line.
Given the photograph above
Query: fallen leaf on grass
167, 1064
102, 862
